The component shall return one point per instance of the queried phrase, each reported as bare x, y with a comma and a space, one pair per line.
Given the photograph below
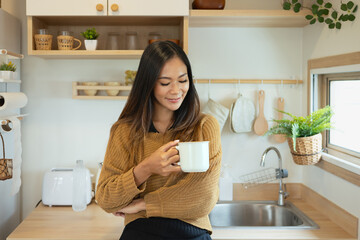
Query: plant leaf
350, 5
338, 25
332, 25
351, 17
297, 7
343, 7
328, 5
320, 2
355, 9
286, 6
309, 17
329, 21
345, 18
314, 8
334, 15
294, 1
321, 19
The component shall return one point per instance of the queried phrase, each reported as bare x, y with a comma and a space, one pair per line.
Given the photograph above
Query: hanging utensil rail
250, 81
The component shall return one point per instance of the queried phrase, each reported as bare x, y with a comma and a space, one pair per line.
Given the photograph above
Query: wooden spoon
280, 138
261, 125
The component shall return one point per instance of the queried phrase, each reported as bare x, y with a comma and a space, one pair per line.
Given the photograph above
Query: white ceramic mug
194, 156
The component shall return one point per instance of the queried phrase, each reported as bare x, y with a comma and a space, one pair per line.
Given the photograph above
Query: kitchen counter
93, 223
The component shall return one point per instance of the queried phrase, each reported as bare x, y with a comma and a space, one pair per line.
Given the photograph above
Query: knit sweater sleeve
116, 186
195, 194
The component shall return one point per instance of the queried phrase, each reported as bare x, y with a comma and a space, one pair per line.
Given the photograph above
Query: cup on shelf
90, 92
113, 41
65, 41
43, 39
112, 92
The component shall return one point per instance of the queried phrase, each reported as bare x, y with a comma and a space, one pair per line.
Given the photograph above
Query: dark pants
156, 228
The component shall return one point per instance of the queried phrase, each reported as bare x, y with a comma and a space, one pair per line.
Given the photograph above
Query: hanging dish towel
217, 110
242, 115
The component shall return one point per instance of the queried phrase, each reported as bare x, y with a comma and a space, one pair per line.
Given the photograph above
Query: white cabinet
107, 7
149, 7
66, 7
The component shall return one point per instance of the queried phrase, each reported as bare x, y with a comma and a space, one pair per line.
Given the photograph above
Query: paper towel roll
12, 100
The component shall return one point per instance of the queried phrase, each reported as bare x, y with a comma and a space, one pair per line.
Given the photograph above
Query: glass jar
43, 31
113, 41
65, 33
154, 36
131, 41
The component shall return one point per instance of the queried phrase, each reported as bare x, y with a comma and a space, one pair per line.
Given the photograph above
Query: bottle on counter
79, 202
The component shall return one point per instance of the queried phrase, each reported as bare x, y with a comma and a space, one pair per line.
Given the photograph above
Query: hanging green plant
323, 12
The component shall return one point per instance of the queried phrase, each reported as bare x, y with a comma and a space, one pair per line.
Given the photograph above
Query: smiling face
171, 86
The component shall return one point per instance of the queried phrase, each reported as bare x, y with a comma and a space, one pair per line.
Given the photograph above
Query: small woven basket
308, 149
67, 42
5, 164
43, 42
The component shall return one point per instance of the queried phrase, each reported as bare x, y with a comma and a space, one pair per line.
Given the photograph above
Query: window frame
324, 92
338, 163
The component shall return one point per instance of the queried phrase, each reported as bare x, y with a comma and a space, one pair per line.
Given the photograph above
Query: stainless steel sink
259, 214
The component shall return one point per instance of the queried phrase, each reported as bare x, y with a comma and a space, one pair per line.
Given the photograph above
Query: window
342, 92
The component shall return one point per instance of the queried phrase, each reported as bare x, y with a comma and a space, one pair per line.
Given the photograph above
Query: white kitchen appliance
58, 187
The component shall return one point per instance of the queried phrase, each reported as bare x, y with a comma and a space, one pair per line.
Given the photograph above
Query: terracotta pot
208, 4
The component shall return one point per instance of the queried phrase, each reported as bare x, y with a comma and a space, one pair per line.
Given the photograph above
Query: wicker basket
43, 42
67, 42
308, 149
5, 164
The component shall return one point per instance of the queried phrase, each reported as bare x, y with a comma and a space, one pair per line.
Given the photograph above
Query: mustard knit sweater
185, 196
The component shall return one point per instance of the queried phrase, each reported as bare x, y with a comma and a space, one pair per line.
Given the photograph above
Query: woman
140, 178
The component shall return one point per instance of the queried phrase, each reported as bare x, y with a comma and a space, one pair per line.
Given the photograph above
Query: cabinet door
66, 7
149, 7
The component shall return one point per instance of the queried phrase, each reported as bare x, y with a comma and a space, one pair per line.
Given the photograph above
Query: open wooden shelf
170, 27
247, 18
82, 54
9, 81
79, 94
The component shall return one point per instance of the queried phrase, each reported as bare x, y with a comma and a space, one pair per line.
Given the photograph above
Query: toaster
57, 188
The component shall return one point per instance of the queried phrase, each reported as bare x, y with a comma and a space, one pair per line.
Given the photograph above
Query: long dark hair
139, 108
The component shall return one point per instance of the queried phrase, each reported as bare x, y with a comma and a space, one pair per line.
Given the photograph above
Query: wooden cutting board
280, 138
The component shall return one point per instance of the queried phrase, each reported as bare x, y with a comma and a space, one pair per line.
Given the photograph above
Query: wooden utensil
260, 124
280, 138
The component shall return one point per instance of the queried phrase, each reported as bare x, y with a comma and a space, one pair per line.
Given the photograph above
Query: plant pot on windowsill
308, 149
304, 134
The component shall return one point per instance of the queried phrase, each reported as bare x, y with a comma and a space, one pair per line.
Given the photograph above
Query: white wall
10, 40
319, 41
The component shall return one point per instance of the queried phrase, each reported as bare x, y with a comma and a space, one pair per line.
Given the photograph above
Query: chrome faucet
280, 174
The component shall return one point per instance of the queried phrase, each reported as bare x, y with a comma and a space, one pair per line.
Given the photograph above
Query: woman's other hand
162, 162
135, 206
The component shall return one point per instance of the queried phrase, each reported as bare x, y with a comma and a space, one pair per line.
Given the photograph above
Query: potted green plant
323, 12
7, 71
304, 134
90, 36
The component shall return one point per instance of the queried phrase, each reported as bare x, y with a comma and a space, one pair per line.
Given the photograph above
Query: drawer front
66, 7
149, 7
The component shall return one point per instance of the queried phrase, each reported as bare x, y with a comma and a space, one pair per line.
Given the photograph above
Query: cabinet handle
114, 7
99, 7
